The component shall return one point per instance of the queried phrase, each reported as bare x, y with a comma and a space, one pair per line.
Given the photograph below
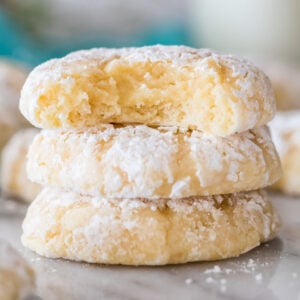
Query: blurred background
32, 31
35, 30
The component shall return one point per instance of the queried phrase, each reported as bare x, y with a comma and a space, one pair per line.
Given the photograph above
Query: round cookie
14, 180
139, 232
285, 129
12, 78
139, 161
156, 85
16, 277
285, 79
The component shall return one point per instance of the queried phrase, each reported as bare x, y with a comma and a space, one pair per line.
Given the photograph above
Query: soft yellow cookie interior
158, 85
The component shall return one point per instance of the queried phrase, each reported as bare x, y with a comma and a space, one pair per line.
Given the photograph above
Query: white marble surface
271, 271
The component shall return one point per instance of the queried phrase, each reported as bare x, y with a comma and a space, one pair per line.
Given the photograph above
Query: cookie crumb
209, 280
216, 269
258, 277
189, 281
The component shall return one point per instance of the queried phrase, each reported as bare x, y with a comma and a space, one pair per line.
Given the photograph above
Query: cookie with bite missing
155, 85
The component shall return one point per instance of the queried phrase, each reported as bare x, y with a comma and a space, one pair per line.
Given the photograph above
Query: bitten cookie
16, 277
138, 232
156, 85
14, 180
285, 129
139, 161
12, 78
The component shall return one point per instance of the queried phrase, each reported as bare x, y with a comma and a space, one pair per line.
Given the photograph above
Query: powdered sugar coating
87, 89
139, 232
14, 179
12, 78
285, 129
138, 161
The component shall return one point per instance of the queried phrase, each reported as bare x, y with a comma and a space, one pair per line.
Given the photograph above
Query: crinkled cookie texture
139, 161
14, 179
138, 232
12, 78
156, 85
285, 129
16, 276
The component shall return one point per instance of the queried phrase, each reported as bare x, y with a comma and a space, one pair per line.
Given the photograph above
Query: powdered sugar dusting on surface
189, 281
223, 278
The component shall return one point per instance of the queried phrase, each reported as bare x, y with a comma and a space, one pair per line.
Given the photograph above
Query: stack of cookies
149, 156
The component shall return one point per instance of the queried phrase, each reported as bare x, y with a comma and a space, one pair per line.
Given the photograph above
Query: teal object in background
17, 44
11, 39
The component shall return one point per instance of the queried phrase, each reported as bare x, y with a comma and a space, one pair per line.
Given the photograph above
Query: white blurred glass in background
259, 29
